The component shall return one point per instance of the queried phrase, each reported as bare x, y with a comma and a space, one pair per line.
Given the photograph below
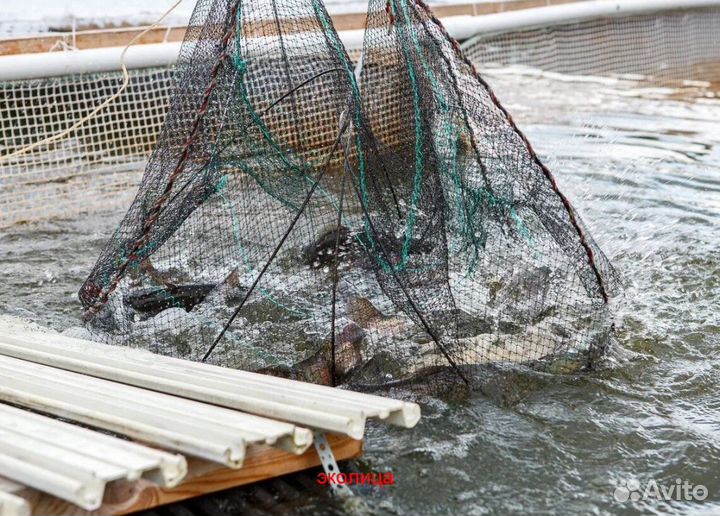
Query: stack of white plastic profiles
315, 406
189, 409
74, 463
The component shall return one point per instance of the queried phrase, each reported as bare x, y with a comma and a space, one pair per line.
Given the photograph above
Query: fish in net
366, 222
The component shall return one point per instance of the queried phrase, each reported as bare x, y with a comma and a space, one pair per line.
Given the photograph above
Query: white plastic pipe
95, 60
51, 437
199, 429
75, 463
11, 505
53, 64
316, 406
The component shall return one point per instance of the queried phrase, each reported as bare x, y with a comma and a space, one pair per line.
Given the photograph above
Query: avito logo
681, 490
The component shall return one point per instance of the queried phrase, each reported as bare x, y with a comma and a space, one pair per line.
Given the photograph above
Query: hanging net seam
546, 171
154, 213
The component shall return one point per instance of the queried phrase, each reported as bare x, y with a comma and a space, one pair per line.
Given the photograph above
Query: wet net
418, 238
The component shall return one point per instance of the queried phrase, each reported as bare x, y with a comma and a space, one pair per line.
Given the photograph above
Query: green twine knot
240, 64
222, 184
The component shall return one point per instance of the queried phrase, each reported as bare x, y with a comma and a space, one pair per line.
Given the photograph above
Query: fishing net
417, 236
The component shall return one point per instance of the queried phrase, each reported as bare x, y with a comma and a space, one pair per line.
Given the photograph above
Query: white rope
108, 101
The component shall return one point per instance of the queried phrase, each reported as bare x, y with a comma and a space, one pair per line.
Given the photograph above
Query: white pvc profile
75, 463
11, 505
179, 424
316, 406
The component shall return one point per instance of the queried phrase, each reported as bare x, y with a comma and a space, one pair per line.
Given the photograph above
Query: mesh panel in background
417, 238
95, 168
675, 45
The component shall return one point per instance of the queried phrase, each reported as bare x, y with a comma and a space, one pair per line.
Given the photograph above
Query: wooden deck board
261, 463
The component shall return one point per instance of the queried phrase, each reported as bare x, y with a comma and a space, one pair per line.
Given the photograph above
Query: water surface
642, 165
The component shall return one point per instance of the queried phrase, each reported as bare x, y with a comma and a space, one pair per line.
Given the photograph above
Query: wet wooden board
125, 497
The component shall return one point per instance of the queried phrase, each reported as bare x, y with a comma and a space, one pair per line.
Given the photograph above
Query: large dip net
419, 237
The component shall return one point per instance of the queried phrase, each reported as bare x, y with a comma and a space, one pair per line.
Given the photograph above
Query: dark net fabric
367, 225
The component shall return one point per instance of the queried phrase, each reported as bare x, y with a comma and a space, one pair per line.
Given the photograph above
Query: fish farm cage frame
98, 166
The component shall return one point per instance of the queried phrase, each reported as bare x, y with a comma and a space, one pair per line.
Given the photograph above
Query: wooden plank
95, 38
125, 497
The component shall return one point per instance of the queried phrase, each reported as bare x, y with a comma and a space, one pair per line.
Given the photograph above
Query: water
642, 165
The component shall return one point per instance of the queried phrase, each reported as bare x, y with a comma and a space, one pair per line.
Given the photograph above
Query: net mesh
367, 226
673, 45
96, 167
